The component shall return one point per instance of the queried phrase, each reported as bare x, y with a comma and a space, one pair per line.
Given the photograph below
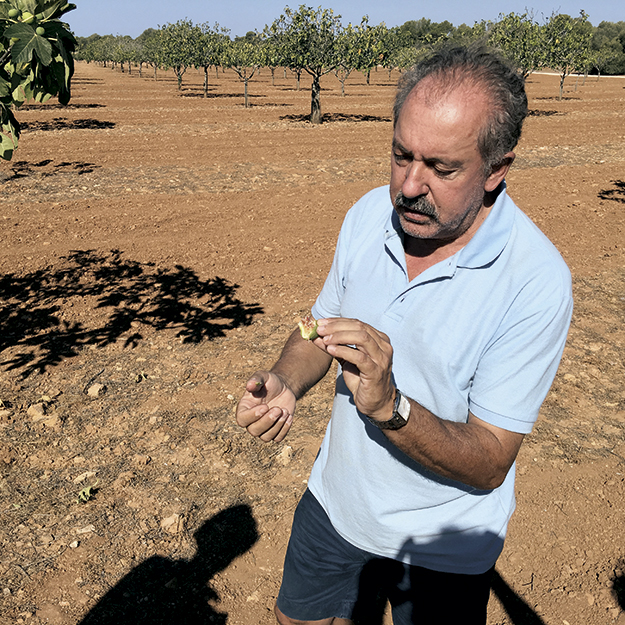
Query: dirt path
157, 247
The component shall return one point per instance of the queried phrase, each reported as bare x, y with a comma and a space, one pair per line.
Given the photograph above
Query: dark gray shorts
326, 576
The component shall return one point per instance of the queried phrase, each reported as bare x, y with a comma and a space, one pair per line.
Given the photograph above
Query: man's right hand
266, 409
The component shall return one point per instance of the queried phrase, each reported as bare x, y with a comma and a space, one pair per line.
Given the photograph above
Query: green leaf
5, 88
28, 5
29, 42
9, 134
48, 9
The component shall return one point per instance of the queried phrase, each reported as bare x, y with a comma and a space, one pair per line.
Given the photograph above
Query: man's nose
415, 181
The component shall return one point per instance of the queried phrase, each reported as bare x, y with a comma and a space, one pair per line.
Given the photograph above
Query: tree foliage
519, 39
36, 61
178, 47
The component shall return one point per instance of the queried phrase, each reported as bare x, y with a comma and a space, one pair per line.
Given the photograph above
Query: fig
13, 13
41, 31
27, 17
308, 328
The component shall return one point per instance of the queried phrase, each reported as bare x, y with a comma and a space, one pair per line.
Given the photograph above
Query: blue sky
132, 17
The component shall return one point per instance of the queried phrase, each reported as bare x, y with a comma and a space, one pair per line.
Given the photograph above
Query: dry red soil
157, 247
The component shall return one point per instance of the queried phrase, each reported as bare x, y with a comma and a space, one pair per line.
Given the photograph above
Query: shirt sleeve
519, 364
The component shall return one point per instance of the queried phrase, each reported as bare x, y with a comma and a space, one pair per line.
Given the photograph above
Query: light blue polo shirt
482, 331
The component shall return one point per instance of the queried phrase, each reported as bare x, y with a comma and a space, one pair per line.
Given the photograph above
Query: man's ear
499, 172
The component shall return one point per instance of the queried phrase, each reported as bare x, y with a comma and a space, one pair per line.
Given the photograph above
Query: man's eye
401, 157
443, 172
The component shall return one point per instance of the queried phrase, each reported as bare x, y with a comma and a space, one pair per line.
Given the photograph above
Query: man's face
437, 173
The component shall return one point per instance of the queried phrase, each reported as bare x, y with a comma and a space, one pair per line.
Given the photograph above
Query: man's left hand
366, 356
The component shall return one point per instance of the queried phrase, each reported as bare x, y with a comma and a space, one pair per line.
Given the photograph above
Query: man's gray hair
481, 67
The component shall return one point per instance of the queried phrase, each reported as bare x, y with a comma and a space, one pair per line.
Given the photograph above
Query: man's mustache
418, 204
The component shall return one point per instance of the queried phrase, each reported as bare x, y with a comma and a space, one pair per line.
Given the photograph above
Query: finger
248, 414
257, 382
278, 432
267, 421
363, 341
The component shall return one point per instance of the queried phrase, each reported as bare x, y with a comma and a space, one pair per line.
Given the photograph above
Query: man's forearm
301, 364
471, 453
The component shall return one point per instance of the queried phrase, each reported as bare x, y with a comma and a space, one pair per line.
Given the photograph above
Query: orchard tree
566, 43
371, 42
347, 54
150, 49
36, 60
210, 46
245, 58
308, 41
178, 47
125, 51
271, 52
519, 39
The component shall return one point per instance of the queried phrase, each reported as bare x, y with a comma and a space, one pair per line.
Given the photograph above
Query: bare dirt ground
157, 247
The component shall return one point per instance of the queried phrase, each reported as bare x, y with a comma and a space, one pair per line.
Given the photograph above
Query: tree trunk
273, 76
206, 81
299, 75
369, 77
155, 68
315, 102
129, 68
247, 104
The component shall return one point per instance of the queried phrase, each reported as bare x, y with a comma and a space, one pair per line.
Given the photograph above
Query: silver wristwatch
401, 413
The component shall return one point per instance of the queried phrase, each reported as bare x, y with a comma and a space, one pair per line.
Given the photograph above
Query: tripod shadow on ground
161, 591
384, 582
373, 601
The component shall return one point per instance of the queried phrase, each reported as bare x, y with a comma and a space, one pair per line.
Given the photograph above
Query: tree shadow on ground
539, 113
200, 94
61, 123
617, 194
162, 591
24, 169
336, 117
65, 107
556, 98
36, 319
86, 81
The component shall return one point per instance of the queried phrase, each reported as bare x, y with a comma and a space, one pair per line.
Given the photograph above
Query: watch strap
401, 414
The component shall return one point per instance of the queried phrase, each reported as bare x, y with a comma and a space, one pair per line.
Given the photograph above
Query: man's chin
419, 226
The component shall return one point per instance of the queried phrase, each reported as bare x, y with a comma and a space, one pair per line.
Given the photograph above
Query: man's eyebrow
451, 164
398, 146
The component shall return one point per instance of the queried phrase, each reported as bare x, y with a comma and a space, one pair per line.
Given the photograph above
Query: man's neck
421, 254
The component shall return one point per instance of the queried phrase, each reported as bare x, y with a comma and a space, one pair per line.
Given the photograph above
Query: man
447, 310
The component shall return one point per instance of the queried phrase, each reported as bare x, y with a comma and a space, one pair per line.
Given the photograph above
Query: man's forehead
436, 91
462, 108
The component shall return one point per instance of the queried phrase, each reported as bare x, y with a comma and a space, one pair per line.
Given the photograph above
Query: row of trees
314, 41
